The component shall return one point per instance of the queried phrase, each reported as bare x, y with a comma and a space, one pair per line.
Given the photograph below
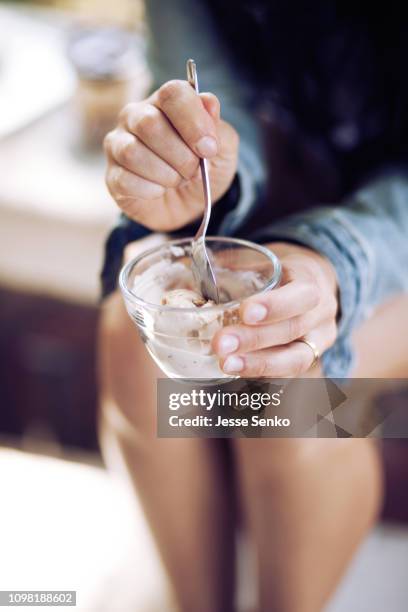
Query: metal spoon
201, 264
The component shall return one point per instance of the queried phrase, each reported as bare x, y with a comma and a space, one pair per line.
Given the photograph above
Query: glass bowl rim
126, 269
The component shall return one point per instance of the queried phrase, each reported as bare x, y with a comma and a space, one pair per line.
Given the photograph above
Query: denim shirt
365, 237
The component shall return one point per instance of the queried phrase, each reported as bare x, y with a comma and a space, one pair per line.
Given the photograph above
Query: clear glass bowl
178, 338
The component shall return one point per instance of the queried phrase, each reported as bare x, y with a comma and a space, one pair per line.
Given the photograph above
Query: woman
322, 85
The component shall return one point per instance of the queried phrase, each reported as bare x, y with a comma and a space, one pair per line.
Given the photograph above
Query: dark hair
331, 76
328, 62
334, 70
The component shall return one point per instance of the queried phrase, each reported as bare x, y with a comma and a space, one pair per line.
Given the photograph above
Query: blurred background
66, 68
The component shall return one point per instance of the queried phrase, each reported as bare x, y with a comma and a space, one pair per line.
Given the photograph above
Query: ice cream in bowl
176, 323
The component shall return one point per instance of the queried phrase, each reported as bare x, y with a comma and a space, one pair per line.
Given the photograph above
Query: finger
124, 185
186, 112
253, 338
129, 152
278, 362
152, 128
290, 300
290, 360
211, 105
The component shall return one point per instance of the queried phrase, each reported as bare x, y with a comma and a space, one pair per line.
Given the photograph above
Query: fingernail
228, 344
207, 146
255, 313
233, 364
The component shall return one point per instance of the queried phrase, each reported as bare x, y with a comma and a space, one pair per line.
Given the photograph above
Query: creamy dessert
180, 333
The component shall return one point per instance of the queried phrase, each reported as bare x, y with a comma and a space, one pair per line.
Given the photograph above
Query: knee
117, 347
126, 376
272, 465
308, 468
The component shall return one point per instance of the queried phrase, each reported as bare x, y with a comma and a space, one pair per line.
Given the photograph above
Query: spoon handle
202, 230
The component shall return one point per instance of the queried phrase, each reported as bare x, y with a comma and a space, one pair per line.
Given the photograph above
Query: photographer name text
206, 421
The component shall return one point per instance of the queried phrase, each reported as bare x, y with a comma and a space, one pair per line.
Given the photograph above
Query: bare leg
182, 483
310, 502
